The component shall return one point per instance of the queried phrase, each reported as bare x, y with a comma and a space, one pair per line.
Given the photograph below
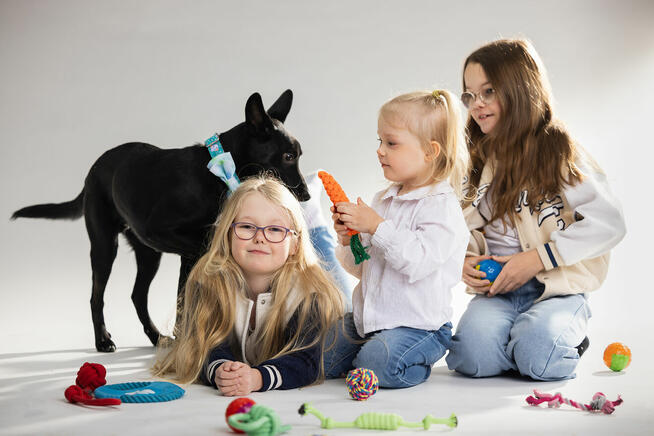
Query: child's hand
237, 379
340, 228
359, 217
473, 277
518, 269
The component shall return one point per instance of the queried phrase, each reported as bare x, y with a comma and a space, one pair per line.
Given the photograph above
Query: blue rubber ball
491, 268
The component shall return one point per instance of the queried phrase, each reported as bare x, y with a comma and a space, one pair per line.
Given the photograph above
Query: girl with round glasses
273, 234
257, 305
537, 203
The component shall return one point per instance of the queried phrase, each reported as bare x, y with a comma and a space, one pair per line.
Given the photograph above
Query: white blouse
416, 259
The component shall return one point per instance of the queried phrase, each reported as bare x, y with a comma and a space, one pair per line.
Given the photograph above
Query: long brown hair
530, 149
210, 296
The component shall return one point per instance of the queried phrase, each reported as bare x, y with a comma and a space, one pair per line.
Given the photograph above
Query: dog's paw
105, 346
153, 334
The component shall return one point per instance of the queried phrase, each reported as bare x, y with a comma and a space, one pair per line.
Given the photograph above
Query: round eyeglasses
274, 234
486, 96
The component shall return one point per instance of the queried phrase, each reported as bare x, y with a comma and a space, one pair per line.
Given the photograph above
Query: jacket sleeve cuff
549, 255
210, 371
271, 378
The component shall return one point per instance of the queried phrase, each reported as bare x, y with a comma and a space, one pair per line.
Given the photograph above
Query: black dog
167, 200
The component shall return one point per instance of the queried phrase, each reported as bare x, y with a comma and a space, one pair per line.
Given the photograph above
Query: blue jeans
324, 244
510, 332
401, 357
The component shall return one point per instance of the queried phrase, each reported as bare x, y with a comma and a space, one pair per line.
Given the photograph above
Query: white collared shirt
416, 258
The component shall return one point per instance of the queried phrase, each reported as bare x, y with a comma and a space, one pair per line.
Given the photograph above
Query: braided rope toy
361, 383
89, 377
598, 404
239, 405
259, 421
377, 421
337, 195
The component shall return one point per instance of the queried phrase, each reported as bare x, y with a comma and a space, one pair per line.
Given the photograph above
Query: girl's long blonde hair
433, 116
209, 308
531, 150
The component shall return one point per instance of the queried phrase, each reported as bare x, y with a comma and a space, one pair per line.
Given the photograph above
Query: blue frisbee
140, 392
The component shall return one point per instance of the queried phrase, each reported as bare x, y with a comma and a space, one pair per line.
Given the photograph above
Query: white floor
46, 335
32, 400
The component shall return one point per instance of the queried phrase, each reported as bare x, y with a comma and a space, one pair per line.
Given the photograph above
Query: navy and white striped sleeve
294, 370
217, 356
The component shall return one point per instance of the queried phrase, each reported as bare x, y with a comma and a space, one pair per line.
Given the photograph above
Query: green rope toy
259, 421
377, 421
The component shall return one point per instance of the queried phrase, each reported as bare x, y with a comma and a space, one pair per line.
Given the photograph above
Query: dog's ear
255, 115
279, 110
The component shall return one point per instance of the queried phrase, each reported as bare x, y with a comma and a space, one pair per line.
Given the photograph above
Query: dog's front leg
185, 268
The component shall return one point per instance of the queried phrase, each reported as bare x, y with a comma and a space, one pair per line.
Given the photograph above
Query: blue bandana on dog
221, 163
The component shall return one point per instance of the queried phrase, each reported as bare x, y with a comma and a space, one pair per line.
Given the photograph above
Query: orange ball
617, 356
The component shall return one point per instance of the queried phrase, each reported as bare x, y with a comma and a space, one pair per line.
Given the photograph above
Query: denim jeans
400, 357
324, 244
511, 332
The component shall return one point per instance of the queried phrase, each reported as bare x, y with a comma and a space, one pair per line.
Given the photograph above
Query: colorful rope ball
361, 383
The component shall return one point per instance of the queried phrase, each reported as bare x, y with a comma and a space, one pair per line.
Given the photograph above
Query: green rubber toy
377, 421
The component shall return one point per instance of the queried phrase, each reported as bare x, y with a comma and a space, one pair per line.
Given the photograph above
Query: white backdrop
79, 77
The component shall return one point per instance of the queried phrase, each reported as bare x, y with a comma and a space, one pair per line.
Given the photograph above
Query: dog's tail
69, 210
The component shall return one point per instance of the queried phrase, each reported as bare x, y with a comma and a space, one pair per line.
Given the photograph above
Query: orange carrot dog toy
337, 195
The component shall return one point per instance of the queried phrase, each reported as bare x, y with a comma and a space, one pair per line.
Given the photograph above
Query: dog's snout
303, 195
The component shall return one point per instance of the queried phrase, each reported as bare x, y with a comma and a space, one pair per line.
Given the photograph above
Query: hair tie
436, 93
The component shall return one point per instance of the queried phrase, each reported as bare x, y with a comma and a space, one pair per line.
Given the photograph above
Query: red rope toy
598, 404
89, 377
